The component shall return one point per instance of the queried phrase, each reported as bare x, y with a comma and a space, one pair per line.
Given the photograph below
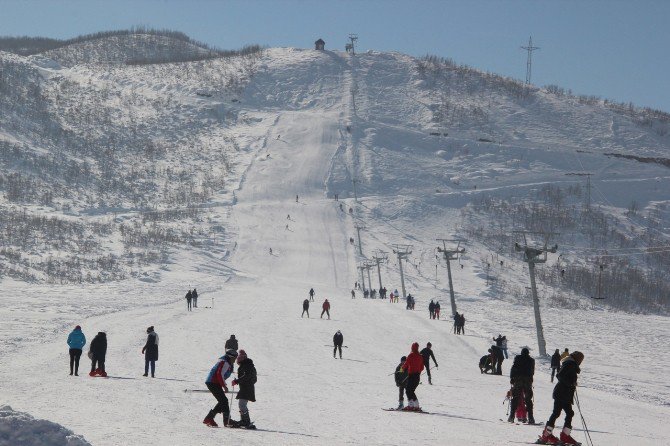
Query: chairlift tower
368, 265
533, 255
361, 268
358, 227
529, 61
451, 254
380, 257
353, 38
402, 251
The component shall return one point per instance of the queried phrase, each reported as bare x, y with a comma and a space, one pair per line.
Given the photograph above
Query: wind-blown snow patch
19, 428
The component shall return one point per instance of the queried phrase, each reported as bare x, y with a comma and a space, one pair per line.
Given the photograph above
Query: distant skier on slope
231, 343
246, 378
521, 379
555, 363
401, 382
150, 352
216, 383
189, 298
338, 340
311, 294
437, 310
564, 393
413, 366
431, 309
76, 341
426, 354
194, 295
325, 308
353, 294
305, 308
98, 351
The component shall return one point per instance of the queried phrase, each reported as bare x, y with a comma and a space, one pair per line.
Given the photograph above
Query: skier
504, 346
76, 341
288, 216
401, 382
426, 354
353, 294
457, 320
305, 308
231, 343
521, 379
555, 363
216, 383
563, 394
311, 294
413, 365
189, 297
565, 354
150, 352
338, 339
498, 359
485, 363
461, 324
246, 378
325, 308
431, 309
437, 310
195, 298
366, 294
270, 251
98, 351
296, 198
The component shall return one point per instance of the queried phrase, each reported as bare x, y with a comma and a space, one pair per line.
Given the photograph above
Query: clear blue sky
610, 48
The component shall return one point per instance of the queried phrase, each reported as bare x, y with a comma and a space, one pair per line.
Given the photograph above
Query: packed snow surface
301, 106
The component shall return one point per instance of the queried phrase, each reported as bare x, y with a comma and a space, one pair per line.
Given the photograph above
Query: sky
613, 49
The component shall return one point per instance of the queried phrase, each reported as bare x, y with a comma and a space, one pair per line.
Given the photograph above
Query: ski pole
230, 410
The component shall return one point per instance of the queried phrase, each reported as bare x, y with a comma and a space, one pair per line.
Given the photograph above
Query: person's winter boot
547, 437
103, 374
401, 405
409, 407
209, 421
146, 374
430, 380
566, 438
229, 422
417, 408
510, 419
531, 418
245, 420
91, 373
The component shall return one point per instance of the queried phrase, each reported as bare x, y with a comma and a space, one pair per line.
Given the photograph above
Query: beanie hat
429, 345
577, 356
403, 359
231, 353
525, 351
78, 327
241, 356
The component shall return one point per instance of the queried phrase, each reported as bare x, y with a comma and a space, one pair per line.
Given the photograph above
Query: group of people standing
459, 323
191, 299
434, 309
97, 352
325, 307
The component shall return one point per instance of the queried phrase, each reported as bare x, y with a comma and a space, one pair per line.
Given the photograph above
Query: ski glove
143, 351
234, 382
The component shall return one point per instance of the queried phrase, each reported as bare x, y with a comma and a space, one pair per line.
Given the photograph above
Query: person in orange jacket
413, 366
326, 308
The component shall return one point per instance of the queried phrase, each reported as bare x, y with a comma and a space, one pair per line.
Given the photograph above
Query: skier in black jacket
521, 379
563, 394
246, 378
338, 340
555, 363
231, 343
426, 354
150, 352
401, 381
305, 308
98, 353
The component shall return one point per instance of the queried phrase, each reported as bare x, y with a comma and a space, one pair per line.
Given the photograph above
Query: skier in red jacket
413, 366
326, 308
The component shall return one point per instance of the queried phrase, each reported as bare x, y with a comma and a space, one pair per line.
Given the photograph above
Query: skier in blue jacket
76, 341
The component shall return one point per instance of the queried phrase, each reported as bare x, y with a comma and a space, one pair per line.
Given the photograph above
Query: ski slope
304, 396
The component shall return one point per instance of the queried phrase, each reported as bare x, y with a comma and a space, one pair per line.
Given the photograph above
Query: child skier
246, 378
401, 382
563, 394
216, 383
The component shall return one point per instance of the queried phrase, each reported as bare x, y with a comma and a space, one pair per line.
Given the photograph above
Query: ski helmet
231, 353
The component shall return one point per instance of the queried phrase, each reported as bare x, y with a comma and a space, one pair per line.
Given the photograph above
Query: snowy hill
124, 186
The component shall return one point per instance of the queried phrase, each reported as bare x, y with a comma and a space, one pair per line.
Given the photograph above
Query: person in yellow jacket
565, 354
